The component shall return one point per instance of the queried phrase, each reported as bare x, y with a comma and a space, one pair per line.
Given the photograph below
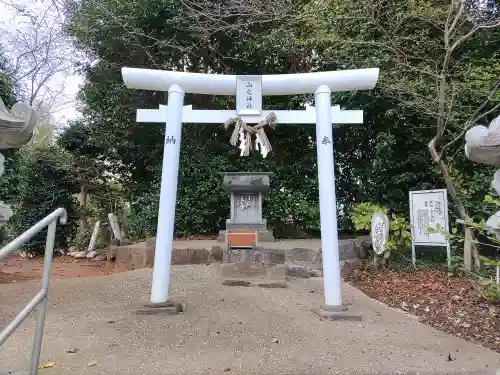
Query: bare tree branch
475, 117
40, 53
489, 25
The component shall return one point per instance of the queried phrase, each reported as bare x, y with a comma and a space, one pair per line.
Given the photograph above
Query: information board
428, 208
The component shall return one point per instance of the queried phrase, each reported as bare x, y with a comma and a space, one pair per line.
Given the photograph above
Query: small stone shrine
247, 190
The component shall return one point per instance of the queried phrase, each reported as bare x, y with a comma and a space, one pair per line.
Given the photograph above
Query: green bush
361, 215
490, 290
399, 229
43, 186
141, 220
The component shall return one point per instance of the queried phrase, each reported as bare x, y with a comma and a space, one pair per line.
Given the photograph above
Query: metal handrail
40, 298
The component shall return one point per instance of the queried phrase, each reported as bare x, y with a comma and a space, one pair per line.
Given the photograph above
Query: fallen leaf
454, 305
92, 363
275, 341
72, 350
450, 358
48, 365
227, 369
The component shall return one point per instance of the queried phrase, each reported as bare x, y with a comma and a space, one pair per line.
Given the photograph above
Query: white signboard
427, 209
248, 95
380, 232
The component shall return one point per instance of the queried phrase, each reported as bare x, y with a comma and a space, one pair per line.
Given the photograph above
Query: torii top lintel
273, 84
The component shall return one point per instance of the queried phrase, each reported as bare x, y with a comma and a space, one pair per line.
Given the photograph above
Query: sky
72, 82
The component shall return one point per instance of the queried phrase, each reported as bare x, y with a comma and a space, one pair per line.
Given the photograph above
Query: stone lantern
482, 145
16, 129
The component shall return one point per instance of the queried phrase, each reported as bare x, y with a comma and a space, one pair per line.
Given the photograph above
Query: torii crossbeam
249, 91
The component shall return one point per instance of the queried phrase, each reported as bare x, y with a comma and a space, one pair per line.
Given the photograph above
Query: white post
168, 195
327, 200
115, 226
93, 239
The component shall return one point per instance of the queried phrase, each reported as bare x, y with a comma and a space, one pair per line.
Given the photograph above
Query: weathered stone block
348, 250
217, 253
239, 270
349, 267
304, 272
276, 256
100, 258
236, 283
264, 256
150, 251
135, 256
121, 255
273, 284
252, 271
276, 272
190, 256
303, 255
138, 256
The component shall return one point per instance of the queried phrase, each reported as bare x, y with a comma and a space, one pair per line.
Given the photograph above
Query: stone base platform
169, 308
264, 236
253, 274
338, 313
254, 271
259, 255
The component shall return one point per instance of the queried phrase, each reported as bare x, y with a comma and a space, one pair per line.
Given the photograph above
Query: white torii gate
249, 91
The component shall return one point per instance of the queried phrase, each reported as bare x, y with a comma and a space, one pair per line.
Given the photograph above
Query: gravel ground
226, 330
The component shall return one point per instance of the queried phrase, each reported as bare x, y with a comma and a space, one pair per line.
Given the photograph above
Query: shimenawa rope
244, 131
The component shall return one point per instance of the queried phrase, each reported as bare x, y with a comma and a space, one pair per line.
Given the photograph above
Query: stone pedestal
167, 308
247, 190
253, 267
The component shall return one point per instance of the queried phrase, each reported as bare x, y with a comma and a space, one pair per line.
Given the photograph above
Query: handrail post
42, 307
39, 302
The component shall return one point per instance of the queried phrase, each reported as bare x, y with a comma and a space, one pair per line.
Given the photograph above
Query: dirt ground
451, 304
15, 269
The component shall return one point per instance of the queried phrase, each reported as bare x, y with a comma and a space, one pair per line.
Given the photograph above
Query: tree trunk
469, 249
82, 200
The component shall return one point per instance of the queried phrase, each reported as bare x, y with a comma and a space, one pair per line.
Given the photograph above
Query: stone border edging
300, 262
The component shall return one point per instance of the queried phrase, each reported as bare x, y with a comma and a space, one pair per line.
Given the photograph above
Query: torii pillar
249, 91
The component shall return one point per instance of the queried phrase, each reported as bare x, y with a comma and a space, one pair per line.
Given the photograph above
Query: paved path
226, 328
